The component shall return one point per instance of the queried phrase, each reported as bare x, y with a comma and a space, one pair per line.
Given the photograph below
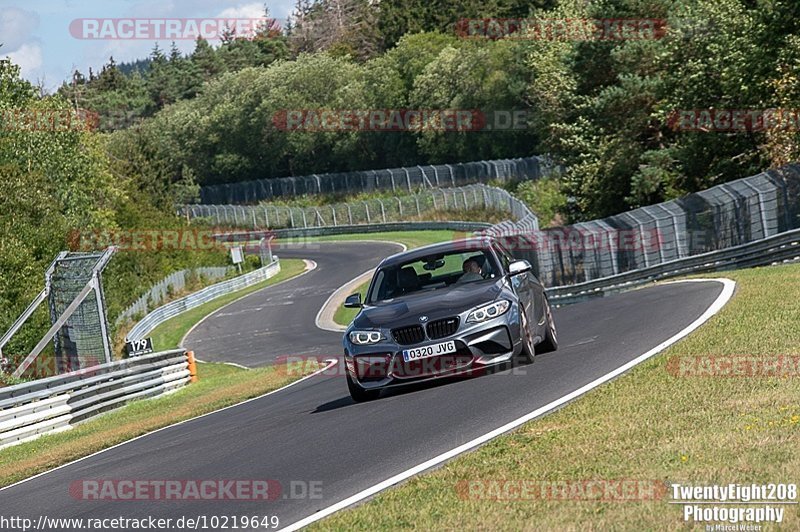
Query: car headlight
365, 337
488, 312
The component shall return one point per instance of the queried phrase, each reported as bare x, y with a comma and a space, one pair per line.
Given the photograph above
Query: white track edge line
323, 308
331, 362
724, 296
310, 266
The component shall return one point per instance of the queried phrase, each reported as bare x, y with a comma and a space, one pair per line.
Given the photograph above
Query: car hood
434, 304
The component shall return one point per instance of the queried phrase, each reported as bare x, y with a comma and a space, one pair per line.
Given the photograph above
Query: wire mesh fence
173, 283
396, 209
723, 216
82, 340
163, 313
395, 179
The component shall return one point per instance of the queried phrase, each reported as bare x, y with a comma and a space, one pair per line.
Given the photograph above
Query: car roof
466, 244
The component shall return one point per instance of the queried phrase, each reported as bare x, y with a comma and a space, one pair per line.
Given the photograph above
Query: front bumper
477, 346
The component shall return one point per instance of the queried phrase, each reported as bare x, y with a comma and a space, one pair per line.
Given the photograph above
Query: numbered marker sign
139, 347
236, 255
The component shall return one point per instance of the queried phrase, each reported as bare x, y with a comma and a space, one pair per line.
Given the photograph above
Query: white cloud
16, 26
29, 58
254, 10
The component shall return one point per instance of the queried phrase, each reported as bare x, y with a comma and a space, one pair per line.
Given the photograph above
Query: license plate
444, 348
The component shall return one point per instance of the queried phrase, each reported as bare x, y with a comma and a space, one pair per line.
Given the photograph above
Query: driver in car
472, 271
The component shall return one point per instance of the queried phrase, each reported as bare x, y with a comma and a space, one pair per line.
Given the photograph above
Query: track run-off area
328, 452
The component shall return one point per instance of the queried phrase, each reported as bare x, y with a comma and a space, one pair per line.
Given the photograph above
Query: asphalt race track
313, 432
280, 321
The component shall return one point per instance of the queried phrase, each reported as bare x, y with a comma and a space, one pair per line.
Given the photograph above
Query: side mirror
519, 266
353, 301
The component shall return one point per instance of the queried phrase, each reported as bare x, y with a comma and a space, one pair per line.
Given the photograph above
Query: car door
527, 286
520, 284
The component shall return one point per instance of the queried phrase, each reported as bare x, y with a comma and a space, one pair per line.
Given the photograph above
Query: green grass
343, 315
647, 425
169, 334
220, 385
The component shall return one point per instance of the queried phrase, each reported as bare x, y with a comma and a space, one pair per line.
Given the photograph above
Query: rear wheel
550, 342
358, 393
527, 353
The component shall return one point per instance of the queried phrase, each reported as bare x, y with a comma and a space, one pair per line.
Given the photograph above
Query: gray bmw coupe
442, 310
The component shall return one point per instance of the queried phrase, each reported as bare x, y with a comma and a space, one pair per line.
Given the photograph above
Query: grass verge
343, 316
411, 239
220, 385
169, 334
648, 425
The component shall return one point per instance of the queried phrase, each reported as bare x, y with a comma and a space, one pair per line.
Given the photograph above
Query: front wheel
527, 353
358, 393
550, 342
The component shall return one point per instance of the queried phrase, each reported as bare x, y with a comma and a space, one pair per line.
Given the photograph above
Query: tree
207, 60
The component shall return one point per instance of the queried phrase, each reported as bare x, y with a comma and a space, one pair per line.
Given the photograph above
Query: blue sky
36, 35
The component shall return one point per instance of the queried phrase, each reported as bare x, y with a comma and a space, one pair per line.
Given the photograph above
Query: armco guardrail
365, 212
172, 309
57, 403
777, 249
394, 179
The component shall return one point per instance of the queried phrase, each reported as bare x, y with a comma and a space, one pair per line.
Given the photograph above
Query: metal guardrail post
192, 366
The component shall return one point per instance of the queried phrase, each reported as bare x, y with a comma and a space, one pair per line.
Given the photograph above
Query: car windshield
432, 272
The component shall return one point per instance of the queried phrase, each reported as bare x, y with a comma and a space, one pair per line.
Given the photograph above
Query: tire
526, 356
359, 394
550, 342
